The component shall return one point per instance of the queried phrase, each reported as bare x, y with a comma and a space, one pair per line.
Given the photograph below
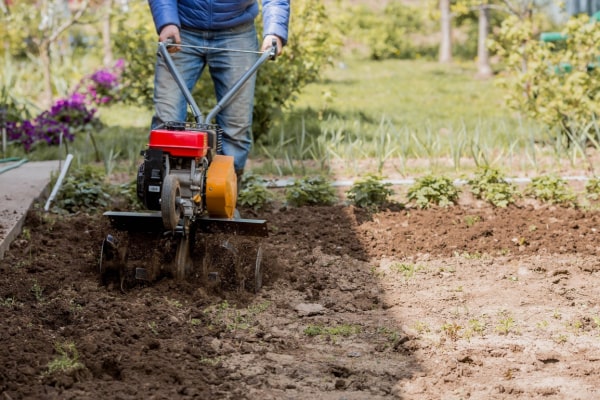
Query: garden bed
469, 301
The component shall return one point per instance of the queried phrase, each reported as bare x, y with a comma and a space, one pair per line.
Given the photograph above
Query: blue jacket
221, 14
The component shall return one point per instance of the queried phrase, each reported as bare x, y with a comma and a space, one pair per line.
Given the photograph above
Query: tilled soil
465, 302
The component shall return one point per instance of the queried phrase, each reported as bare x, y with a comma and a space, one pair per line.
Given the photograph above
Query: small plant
370, 192
430, 190
408, 270
84, 189
477, 326
471, 220
38, 292
452, 330
505, 324
67, 359
592, 188
489, 185
254, 194
421, 327
310, 191
8, 302
551, 189
232, 319
153, 328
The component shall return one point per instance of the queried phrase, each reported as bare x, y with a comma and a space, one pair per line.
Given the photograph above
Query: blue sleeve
276, 18
164, 12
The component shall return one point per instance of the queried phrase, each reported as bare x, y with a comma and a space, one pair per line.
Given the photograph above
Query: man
214, 30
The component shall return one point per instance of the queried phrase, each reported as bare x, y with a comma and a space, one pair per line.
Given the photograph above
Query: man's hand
268, 43
170, 32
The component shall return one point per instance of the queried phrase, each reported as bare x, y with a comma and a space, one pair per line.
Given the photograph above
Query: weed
8, 302
433, 190
592, 188
542, 325
254, 193
38, 291
310, 191
505, 324
452, 330
370, 192
26, 234
408, 270
489, 185
560, 339
195, 321
153, 328
421, 327
174, 303
551, 189
233, 319
477, 326
212, 361
67, 359
471, 220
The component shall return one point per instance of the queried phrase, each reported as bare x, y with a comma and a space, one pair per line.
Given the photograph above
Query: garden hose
16, 160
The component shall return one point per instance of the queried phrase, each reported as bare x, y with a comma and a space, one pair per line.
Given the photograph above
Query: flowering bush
66, 117
69, 116
103, 86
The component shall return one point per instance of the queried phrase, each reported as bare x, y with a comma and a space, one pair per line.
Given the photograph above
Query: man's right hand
170, 32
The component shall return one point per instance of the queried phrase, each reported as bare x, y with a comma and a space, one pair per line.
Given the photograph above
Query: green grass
401, 111
410, 118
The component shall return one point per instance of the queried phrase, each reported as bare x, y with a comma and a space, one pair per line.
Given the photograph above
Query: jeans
225, 68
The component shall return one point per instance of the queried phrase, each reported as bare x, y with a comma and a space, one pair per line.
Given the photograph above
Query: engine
182, 175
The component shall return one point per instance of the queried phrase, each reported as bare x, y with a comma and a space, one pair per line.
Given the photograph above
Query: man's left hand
268, 43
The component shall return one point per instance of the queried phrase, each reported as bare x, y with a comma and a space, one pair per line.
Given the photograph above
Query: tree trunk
108, 54
445, 55
44, 54
484, 70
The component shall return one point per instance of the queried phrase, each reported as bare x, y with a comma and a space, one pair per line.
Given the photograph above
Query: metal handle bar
162, 48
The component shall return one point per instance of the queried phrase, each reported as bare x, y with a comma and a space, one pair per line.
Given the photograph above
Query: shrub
490, 186
592, 188
310, 191
254, 194
65, 118
435, 190
551, 189
370, 192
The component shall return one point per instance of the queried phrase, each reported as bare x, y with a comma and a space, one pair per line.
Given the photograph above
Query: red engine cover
180, 143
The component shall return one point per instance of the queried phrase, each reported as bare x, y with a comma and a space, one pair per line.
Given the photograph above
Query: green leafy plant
489, 185
506, 323
37, 291
67, 359
84, 189
370, 192
592, 188
551, 189
556, 84
433, 190
310, 191
254, 193
344, 330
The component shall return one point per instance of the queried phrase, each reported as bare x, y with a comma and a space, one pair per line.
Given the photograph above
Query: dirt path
474, 302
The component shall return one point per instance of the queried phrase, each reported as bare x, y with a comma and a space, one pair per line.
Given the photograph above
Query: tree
35, 27
445, 55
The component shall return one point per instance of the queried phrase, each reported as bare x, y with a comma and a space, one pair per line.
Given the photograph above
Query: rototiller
188, 187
